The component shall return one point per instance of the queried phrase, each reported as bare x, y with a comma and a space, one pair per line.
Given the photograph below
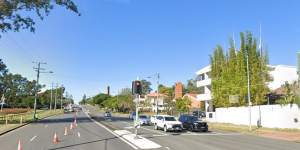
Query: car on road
132, 115
107, 115
192, 123
153, 119
144, 120
167, 123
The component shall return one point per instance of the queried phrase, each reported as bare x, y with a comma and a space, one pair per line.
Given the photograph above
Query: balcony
205, 82
204, 97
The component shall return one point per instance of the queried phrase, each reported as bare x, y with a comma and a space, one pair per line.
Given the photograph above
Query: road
86, 136
212, 140
117, 134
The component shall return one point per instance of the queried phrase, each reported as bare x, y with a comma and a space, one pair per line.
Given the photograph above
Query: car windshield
170, 119
143, 117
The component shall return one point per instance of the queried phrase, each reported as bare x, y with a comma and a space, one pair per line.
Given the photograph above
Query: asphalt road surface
117, 133
212, 140
86, 136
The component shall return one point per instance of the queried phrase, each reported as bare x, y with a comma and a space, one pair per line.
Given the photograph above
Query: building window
200, 77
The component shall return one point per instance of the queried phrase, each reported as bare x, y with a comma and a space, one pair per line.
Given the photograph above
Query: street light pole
249, 94
157, 94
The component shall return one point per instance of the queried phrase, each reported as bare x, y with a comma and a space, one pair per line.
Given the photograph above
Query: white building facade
279, 73
204, 83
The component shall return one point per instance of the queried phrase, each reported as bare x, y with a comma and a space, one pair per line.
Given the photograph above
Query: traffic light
137, 87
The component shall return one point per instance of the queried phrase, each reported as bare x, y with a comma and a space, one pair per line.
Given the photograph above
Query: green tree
125, 91
83, 101
183, 104
99, 99
146, 87
191, 87
169, 91
229, 73
3, 72
12, 16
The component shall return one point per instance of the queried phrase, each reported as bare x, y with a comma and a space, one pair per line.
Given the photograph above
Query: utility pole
61, 97
55, 98
51, 99
39, 70
249, 94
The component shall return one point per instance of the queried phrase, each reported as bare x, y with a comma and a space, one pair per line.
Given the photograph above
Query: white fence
272, 116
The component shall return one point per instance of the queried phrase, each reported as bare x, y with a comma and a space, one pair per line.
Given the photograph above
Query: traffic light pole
137, 97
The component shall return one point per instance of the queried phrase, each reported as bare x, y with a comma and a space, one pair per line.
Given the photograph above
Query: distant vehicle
167, 123
107, 115
144, 120
66, 110
199, 114
192, 123
132, 115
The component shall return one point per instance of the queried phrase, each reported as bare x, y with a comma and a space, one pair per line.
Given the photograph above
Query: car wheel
165, 129
155, 127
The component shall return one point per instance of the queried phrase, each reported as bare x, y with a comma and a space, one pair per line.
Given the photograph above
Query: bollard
6, 121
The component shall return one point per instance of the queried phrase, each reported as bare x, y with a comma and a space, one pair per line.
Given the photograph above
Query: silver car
144, 120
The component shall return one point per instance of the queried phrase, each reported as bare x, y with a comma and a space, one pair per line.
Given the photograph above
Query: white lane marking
167, 148
46, 126
78, 134
128, 127
139, 141
101, 125
33, 138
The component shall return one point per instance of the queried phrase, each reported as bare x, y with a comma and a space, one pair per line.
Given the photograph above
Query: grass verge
27, 118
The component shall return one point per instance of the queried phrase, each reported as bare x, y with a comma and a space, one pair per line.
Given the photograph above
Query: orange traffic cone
55, 139
20, 145
71, 126
66, 131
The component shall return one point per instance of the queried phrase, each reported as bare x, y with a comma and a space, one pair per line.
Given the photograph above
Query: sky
115, 41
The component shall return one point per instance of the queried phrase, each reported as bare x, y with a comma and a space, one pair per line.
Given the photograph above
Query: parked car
153, 119
199, 114
144, 120
192, 123
107, 115
167, 123
132, 115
